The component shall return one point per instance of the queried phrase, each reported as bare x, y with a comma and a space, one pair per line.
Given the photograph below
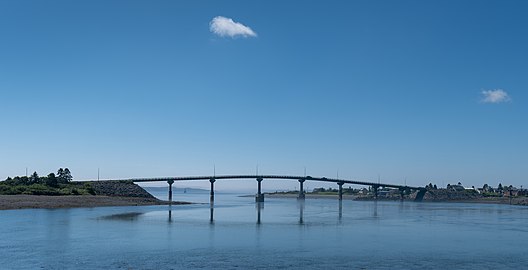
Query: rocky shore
42, 201
120, 188
433, 196
469, 196
107, 193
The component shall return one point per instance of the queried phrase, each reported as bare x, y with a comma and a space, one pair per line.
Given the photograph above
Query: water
290, 235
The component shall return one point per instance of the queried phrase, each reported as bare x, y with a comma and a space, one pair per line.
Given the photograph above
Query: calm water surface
313, 235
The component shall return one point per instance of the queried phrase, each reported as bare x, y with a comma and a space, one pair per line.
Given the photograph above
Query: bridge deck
286, 177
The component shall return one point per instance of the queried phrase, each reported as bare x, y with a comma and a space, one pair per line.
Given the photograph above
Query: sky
407, 92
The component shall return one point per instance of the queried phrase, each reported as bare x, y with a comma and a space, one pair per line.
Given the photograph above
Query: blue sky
393, 89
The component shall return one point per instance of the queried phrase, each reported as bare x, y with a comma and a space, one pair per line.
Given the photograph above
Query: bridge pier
375, 190
340, 184
260, 196
170, 182
301, 189
211, 197
402, 194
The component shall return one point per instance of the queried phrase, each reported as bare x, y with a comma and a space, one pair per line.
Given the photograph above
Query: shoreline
13, 202
522, 201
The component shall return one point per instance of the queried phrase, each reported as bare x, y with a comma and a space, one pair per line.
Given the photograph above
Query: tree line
63, 176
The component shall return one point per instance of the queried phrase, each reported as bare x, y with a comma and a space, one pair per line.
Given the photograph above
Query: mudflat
40, 201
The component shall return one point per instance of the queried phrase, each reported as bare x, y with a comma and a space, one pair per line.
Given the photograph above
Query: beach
37, 201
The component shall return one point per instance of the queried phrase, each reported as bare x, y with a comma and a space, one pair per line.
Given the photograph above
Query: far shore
485, 200
8, 202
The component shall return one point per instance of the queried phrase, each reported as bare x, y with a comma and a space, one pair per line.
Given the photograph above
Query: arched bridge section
301, 179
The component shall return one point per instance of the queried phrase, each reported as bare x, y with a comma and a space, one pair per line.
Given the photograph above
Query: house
458, 187
473, 189
511, 191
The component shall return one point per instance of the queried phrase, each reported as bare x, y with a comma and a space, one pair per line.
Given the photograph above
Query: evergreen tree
52, 180
34, 178
60, 175
64, 176
67, 175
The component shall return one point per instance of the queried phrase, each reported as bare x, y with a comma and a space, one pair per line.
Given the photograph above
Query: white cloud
495, 96
226, 27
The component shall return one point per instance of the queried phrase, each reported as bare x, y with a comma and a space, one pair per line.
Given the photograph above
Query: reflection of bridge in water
259, 206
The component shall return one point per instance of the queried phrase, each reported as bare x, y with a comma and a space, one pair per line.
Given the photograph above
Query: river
290, 235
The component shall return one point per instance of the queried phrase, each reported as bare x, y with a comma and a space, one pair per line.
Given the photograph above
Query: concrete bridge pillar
301, 189
340, 184
211, 197
375, 191
170, 182
260, 196
402, 194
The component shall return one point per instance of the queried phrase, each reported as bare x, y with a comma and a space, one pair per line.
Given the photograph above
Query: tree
52, 180
20, 180
34, 178
60, 176
64, 176
67, 175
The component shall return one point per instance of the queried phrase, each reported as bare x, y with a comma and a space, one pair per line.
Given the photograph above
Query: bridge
259, 197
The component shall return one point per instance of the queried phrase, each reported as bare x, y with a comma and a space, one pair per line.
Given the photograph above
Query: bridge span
259, 197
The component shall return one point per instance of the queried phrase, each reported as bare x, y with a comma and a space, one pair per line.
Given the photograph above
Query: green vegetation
56, 185
285, 192
334, 191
